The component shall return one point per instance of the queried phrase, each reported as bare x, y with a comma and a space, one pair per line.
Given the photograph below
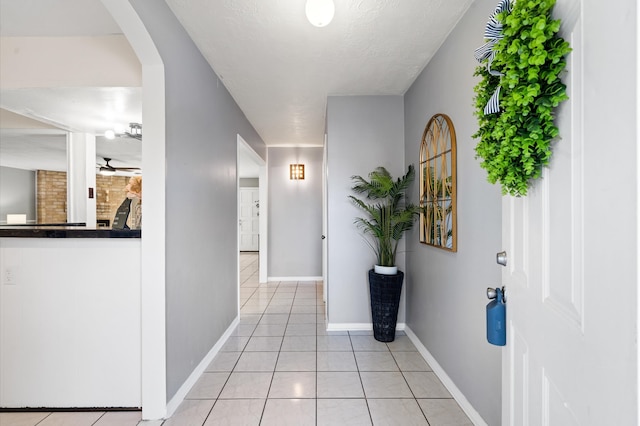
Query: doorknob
323, 237
491, 293
501, 258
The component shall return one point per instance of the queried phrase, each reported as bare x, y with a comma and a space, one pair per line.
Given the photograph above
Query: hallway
281, 367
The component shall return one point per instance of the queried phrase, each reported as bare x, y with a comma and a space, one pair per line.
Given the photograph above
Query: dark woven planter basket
385, 299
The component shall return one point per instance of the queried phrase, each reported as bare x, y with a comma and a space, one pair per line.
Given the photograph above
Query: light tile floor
281, 367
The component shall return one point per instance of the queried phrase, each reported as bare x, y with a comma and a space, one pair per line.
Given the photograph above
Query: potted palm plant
389, 216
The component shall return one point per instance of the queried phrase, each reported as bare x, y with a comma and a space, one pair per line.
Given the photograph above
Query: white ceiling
278, 67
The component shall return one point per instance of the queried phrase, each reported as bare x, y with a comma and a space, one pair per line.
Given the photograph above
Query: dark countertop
35, 231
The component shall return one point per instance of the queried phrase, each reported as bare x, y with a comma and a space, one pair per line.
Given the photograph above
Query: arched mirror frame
438, 195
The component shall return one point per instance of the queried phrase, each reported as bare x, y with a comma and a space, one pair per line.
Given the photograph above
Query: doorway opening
252, 206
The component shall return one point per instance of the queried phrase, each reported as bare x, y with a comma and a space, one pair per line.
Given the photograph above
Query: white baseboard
272, 279
177, 399
356, 326
446, 380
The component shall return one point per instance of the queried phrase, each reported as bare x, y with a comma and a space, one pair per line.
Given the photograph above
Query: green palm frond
390, 216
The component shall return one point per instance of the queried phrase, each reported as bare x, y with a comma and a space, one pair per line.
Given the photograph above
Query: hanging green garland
520, 87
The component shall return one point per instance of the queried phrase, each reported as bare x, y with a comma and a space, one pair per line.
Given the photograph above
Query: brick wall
52, 196
110, 194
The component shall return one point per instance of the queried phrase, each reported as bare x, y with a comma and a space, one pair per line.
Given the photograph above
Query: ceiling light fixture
320, 12
135, 131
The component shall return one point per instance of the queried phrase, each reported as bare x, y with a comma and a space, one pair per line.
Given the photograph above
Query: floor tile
334, 343
252, 309
385, 385
151, 423
232, 412
269, 330
322, 331
118, 418
402, 343
21, 419
224, 361
257, 361
250, 319
208, 386
296, 361
333, 384
361, 333
264, 344
281, 302
352, 412
235, 344
304, 302
410, 361
278, 309
300, 330
297, 309
71, 419
190, 412
444, 412
405, 412
299, 343
293, 385
289, 412
336, 361
274, 319
367, 343
246, 385
426, 385
375, 361
302, 319
243, 330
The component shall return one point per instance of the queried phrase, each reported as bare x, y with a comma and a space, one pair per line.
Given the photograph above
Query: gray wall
446, 291
17, 193
363, 132
202, 123
295, 213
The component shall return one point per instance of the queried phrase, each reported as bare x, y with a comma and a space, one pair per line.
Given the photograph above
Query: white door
569, 360
249, 222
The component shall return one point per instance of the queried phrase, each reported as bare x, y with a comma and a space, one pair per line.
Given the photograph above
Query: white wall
295, 215
70, 331
446, 295
202, 124
363, 132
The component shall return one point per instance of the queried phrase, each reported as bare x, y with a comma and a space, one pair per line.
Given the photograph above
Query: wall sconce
296, 171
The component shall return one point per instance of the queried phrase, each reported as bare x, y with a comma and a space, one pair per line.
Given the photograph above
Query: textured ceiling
280, 69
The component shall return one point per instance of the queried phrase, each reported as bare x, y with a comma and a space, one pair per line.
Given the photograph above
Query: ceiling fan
108, 170
134, 131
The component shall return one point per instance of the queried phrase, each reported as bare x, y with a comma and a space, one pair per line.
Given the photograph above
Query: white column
81, 178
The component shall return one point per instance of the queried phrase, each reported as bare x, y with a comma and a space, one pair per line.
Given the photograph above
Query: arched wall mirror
438, 184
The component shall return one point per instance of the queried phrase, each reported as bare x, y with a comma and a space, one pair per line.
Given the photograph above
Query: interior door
560, 365
249, 222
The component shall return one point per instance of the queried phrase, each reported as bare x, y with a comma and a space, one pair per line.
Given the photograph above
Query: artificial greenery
389, 213
516, 143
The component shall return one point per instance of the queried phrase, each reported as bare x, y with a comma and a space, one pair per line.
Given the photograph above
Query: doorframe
153, 359
245, 149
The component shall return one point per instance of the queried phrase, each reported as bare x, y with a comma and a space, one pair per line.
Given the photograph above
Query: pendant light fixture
320, 12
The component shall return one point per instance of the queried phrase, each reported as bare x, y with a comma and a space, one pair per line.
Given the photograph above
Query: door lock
501, 258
